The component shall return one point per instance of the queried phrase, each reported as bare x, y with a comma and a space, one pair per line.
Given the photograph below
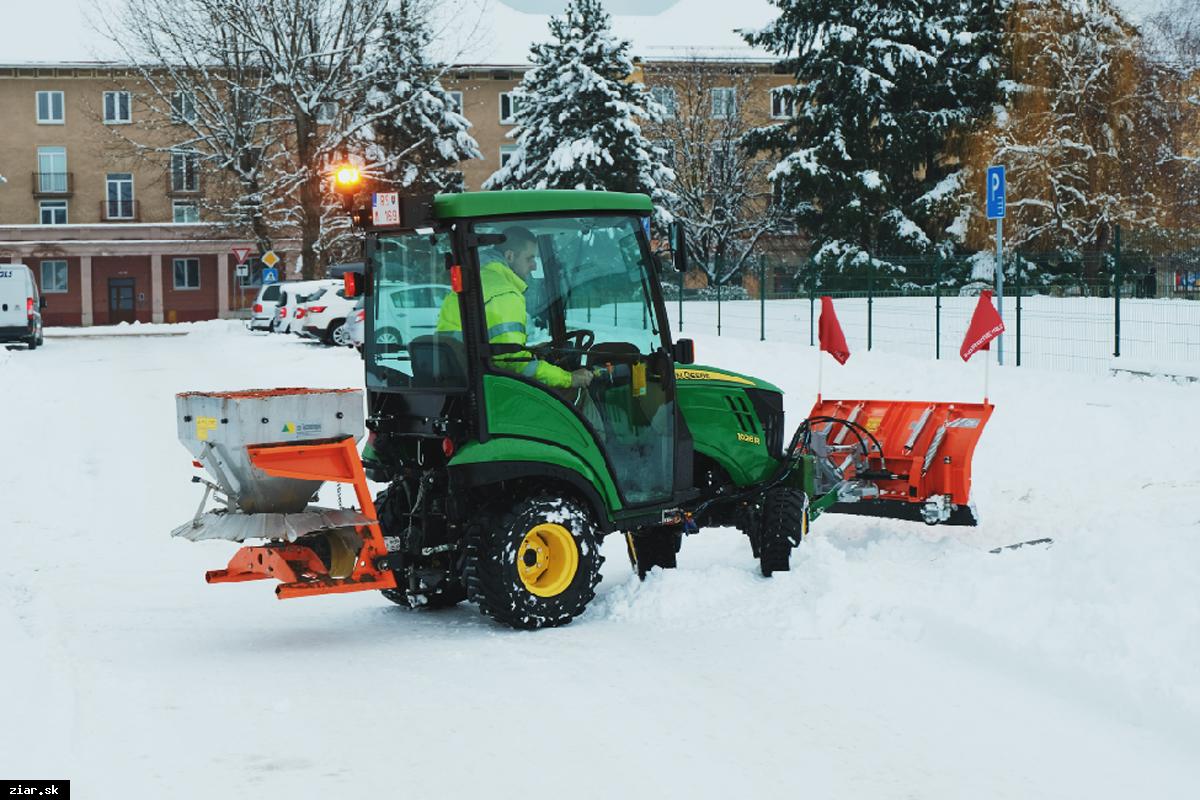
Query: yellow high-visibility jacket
506, 316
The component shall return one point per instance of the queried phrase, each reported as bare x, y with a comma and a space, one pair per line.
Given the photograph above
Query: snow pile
893, 660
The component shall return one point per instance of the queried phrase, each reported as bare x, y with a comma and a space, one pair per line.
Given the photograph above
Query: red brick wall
105, 267
190, 305
62, 308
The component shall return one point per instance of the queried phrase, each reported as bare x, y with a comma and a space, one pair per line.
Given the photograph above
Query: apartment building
118, 236
112, 236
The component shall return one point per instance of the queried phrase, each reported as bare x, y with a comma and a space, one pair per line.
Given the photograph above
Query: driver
503, 273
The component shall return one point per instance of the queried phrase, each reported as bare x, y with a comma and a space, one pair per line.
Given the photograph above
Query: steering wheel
581, 339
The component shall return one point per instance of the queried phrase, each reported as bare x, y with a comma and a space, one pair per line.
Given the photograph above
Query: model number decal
745, 437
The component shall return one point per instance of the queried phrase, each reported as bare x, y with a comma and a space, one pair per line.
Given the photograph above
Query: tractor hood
687, 375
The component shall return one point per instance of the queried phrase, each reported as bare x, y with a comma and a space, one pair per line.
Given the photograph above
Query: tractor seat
438, 361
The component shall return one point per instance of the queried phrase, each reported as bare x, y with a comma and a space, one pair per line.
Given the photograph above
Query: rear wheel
337, 335
783, 525
388, 338
534, 564
33, 342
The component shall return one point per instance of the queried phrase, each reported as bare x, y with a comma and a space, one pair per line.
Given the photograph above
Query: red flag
833, 341
985, 326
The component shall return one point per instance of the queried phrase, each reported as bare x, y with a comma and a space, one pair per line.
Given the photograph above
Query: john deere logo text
745, 437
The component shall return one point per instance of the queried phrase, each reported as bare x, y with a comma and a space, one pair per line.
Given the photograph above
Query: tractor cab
524, 332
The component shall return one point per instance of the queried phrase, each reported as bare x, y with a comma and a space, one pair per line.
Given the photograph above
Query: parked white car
325, 314
265, 310
292, 298
356, 324
408, 311
20, 306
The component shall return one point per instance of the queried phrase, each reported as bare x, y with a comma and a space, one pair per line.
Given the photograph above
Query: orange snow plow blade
299, 569
924, 470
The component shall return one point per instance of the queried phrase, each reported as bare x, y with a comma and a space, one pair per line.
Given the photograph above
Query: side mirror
684, 352
679, 245
353, 284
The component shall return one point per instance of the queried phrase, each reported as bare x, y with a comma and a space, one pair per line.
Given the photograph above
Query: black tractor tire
784, 525
656, 547
449, 592
507, 547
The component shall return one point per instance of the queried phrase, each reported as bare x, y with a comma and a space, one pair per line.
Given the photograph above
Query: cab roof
536, 201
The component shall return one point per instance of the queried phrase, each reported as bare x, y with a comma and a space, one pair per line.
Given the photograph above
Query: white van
20, 306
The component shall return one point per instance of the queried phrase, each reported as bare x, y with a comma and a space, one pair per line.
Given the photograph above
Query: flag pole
820, 370
987, 363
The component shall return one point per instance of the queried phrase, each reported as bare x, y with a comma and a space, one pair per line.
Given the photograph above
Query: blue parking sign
996, 192
270, 275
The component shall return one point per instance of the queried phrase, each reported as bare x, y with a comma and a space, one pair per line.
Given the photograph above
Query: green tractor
512, 446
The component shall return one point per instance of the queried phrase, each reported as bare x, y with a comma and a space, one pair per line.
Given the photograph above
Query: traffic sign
269, 258
996, 192
242, 270
270, 275
241, 254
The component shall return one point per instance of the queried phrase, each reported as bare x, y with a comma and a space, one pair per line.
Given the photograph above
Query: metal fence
1132, 309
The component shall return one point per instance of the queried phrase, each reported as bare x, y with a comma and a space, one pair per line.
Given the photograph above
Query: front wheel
784, 524
534, 564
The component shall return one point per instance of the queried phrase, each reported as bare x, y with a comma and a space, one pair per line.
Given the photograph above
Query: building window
506, 153
665, 96
510, 106
185, 211
50, 108
183, 107
723, 158
52, 170
783, 103
724, 102
184, 171
119, 196
456, 101
54, 277
187, 273
326, 113
116, 108
53, 212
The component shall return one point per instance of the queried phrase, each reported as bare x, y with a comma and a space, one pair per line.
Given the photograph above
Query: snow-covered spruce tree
421, 141
884, 89
578, 114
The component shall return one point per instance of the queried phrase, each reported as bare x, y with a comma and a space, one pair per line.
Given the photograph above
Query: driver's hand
581, 378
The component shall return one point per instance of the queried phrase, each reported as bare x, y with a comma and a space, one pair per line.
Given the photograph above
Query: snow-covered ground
895, 660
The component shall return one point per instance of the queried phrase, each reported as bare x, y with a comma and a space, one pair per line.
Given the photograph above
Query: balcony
53, 184
120, 211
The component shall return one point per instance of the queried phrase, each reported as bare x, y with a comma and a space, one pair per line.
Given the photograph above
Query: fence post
870, 298
937, 293
762, 301
718, 279
681, 273
1117, 293
1019, 261
812, 300
589, 302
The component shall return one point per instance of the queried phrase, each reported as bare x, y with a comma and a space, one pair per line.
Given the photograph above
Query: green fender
542, 457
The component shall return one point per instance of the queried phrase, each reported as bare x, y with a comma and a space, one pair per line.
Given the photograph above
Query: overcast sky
58, 31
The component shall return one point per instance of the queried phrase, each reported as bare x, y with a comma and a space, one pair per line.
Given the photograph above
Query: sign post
996, 206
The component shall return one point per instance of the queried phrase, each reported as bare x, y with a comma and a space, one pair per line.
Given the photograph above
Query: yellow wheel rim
547, 559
